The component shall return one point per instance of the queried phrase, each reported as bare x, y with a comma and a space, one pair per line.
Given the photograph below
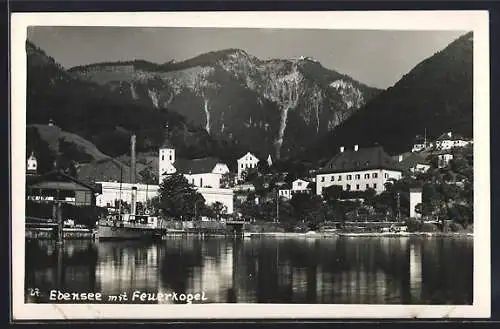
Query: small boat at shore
130, 227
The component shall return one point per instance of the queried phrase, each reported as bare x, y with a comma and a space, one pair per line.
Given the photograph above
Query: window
358, 176
323, 178
299, 183
170, 157
348, 187
367, 186
332, 178
357, 186
242, 166
374, 175
349, 177
201, 181
162, 157
375, 185
339, 178
367, 163
367, 175
386, 175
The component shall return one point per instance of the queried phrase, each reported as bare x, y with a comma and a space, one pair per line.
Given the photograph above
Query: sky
377, 58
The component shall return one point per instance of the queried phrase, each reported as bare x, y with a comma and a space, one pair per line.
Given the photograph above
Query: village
360, 189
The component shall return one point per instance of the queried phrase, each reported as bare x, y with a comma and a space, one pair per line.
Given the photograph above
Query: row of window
348, 187
243, 166
163, 158
357, 176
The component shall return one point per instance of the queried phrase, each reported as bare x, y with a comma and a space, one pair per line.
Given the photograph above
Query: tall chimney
132, 176
356, 147
341, 149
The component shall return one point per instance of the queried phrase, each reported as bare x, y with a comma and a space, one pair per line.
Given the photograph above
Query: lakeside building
32, 165
204, 174
56, 186
448, 140
248, 161
358, 170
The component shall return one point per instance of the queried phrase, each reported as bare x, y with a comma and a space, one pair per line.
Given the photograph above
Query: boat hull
127, 233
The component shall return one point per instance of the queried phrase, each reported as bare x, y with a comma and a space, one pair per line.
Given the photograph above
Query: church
204, 174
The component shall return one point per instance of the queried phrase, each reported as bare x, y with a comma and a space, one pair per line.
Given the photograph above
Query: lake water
346, 270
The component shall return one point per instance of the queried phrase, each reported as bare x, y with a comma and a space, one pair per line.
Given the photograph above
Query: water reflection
263, 270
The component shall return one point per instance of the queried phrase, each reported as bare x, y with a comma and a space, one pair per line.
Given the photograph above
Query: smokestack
132, 175
356, 147
341, 149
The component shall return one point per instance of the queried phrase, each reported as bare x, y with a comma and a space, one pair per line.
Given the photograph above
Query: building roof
412, 160
58, 180
285, 186
196, 166
247, 153
106, 170
363, 159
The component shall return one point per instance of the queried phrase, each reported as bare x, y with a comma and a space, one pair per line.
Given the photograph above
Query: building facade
358, 170
449, 140
248, 161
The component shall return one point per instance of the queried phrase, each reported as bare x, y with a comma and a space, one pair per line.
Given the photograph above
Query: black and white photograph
222, 165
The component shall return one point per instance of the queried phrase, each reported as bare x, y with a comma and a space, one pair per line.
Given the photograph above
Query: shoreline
340, 234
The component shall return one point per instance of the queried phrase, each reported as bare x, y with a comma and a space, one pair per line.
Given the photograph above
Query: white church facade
204, 174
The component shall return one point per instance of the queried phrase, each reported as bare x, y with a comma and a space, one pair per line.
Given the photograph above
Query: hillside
107, 118
277, 107
436, 96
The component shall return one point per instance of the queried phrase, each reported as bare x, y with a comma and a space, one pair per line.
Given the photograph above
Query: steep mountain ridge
277, 106
436, 96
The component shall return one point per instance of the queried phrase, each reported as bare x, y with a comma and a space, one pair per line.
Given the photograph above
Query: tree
178, 198
218, 209
227, 180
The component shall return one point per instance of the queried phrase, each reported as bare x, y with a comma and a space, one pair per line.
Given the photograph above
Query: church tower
32, 165
166, 157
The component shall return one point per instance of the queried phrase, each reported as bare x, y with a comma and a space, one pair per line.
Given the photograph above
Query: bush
428, 227
414, 225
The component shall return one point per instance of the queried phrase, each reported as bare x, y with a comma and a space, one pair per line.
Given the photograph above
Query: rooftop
196, 166
363, 159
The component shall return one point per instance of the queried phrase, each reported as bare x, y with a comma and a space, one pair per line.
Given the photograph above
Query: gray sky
377, 58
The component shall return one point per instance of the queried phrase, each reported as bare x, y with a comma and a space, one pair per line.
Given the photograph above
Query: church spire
167, 144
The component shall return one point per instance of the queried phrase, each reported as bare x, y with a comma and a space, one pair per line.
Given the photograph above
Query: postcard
244, 165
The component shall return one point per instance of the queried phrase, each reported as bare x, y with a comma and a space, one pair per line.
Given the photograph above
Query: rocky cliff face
274, 106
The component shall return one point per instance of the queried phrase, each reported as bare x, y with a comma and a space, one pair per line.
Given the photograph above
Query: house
31, 165
443, 159
298, 186
420, 144
204, 172
285, 191
358, 170
414, 163
57, 186
246, 162
448, 141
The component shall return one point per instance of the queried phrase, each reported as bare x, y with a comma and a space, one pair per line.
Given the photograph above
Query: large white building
205, 174
246, 162
448, 141
358, 170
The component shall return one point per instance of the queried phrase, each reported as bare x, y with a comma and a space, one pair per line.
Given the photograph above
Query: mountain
435, 96
103, 117
278, 106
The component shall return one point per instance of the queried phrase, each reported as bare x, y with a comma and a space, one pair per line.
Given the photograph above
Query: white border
476, 21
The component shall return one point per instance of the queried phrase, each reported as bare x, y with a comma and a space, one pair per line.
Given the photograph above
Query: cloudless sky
376, 58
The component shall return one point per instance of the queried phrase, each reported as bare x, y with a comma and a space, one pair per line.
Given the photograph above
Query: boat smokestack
132, 175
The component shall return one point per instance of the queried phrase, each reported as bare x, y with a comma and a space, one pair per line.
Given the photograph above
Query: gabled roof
56, 176
248, 153
285, 187
197, 166
363, 159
